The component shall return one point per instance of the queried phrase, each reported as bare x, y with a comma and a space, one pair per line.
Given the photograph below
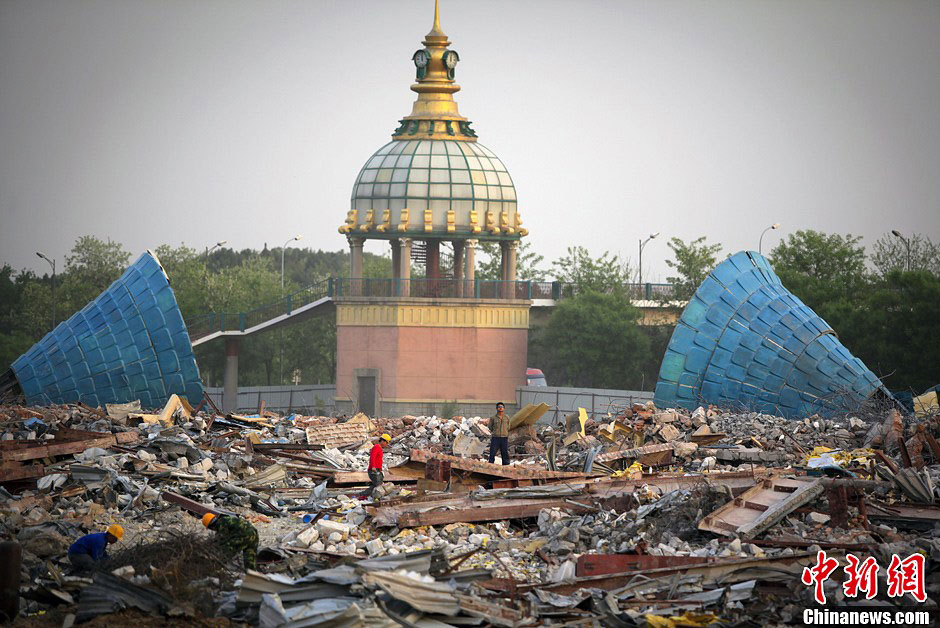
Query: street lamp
760, 242
284, 248
52, 263
214, 247
907, 243
205, 270
280, 332
643, 244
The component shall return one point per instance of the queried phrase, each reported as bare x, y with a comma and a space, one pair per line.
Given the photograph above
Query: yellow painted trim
408, 315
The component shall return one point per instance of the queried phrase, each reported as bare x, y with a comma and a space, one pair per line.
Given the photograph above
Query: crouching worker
91, 549
234, 535
376, 477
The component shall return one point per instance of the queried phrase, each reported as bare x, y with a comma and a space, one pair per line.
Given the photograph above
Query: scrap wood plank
900, 510
528, 415
390, 475
760, 507
494, 613
649, 455
52, 448
735, 480
518, 472
287, 446
22, 472
706, 439
496, 512
388, 513
192, 506
720, 570
598, 564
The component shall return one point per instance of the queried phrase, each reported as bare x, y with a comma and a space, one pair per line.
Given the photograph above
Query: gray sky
172, 121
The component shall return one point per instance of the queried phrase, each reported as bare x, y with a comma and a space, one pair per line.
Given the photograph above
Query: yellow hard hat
386, 438
116, 531
207, 519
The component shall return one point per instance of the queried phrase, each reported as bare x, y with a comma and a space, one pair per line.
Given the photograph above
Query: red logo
904, 576
907, 576
862, 577
819, 573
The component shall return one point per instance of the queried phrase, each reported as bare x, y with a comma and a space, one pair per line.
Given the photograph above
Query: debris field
646, 517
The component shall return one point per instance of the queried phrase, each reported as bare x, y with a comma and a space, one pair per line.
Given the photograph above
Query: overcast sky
172, 121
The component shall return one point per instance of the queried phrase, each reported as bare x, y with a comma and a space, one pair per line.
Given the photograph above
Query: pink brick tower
411, 343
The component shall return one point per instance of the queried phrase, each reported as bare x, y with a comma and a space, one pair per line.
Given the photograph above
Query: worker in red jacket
376, 477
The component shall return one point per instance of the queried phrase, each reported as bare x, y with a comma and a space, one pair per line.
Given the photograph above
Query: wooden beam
518, 472
188, 504
498, 513
23, 472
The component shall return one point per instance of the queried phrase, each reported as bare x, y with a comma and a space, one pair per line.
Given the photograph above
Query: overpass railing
426, 288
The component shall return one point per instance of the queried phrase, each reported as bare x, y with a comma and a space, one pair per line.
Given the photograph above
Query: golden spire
436, 29
434, 114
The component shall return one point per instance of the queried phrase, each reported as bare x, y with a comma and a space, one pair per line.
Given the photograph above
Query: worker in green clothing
234, 535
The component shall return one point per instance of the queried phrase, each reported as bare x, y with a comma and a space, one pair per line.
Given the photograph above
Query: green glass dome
436, 175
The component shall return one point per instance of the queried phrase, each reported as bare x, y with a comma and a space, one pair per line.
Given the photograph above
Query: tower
408, 343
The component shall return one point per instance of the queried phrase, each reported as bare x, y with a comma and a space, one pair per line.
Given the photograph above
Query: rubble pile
647, 515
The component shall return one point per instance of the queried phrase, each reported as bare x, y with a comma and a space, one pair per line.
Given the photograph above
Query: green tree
894, 328
92, 266
890, 253
186, 270
607, 273
593, 340
821, 269
694, 260
16, 329
527, 262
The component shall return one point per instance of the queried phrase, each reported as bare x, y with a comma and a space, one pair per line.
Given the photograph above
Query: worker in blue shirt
92, 548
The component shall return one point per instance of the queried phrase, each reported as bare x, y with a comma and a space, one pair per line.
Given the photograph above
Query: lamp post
205, 269
280, 332
760, 242
284, 248
643, 243
51, 263
907, 243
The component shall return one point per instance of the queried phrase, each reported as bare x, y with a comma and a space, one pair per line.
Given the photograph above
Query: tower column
355, 266
396, 259
459, 247
230, 389
470, 264
404, 262
433, 265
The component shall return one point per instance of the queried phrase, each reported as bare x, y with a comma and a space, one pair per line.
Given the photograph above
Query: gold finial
434, 114
436, 29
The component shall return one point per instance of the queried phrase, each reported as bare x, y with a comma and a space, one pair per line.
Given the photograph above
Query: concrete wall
597, 401
563, 401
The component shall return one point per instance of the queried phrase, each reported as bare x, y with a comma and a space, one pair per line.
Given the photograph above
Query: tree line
885, 305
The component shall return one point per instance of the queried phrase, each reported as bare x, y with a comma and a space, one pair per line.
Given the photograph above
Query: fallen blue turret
745, 341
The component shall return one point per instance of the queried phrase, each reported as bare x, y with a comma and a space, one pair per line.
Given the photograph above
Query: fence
309, 399
597, 401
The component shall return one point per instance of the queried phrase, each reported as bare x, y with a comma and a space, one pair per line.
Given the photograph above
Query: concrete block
326, 527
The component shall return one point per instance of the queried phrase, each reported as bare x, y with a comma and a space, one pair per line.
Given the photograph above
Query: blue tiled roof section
746, 341
129, 343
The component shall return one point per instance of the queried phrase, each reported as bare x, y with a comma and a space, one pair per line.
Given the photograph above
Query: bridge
656, 302
316, 297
